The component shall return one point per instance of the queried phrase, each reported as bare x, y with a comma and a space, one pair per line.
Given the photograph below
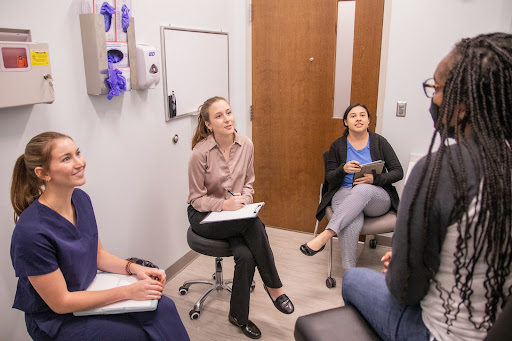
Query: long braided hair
479, 85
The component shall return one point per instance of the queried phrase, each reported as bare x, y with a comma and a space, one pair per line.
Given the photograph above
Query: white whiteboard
195, 67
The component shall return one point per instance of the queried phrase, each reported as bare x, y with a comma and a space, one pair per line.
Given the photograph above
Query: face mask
434, 111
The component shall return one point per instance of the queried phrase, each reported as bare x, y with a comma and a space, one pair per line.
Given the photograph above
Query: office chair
209, 247
371, 227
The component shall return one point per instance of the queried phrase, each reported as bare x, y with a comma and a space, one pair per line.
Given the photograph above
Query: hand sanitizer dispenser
148, 67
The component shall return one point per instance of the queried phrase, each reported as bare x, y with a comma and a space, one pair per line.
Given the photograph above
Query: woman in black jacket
371, 194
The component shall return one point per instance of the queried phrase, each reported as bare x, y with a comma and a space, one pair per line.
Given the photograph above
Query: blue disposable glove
115, 81
125, 17
107, 12
114, 56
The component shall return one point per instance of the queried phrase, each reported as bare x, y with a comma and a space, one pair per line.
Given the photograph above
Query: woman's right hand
145, 289
386, 259
352, 167
233, 203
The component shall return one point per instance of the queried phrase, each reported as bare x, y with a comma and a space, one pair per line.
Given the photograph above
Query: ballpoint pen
229, 191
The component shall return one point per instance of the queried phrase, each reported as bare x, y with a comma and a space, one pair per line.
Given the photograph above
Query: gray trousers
350, 205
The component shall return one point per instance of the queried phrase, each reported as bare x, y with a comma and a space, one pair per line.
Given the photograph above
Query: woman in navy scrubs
55, 252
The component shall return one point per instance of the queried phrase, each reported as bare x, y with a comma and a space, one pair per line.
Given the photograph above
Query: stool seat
338, 324
217, 248
209, 247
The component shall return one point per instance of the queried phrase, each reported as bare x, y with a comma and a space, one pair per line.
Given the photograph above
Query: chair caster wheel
373, 243
194, 315
183, 291
330, 282
213, 276
253, 286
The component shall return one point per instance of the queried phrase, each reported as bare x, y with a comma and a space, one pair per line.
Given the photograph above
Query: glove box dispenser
25, 72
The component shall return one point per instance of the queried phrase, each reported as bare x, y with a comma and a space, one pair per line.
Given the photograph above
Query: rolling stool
209, 247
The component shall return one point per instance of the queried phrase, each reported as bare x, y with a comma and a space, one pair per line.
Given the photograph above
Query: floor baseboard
180, 264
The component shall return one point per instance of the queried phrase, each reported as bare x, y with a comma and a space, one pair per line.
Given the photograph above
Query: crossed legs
350, 205
249, 242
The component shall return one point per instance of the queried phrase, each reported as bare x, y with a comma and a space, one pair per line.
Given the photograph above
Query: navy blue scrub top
43, 241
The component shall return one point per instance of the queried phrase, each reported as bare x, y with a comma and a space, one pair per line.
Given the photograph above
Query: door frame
382, 73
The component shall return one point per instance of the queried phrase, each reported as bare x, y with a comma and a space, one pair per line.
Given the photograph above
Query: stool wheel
183, 291
253, 286
194, 315
373, 243
213, 276
330, 282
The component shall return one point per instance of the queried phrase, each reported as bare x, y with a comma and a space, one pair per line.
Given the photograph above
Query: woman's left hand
144, 272
365, 179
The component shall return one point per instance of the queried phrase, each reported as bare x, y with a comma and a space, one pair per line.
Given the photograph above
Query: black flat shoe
249, 329
305, 249
282, 303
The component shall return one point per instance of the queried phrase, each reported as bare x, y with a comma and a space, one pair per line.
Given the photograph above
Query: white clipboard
246, 212
107, 280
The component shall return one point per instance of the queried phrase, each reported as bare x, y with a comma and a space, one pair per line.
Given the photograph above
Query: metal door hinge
250, 112
250, 12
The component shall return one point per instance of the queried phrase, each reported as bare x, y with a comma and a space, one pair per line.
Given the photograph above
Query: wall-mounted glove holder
95, 50
25, 71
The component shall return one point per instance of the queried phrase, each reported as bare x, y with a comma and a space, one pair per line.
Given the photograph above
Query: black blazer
380, 149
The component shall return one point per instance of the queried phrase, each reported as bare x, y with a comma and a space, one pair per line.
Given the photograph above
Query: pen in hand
233, 194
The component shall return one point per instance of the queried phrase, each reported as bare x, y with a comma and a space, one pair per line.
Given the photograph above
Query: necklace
226, 149
70, 216
44, 202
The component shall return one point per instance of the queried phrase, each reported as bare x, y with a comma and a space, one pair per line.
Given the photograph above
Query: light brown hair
202, 131
25, 185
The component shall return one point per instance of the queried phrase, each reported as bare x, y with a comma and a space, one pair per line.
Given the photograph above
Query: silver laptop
107, 280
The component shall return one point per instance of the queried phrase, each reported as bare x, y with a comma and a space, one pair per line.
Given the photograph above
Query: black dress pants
249, 242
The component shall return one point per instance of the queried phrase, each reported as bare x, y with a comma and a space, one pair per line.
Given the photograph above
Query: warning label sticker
39, 57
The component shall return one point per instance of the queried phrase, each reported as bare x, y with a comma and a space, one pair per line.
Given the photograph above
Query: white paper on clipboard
246, 212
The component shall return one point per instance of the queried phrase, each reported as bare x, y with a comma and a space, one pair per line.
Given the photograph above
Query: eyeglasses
430, 87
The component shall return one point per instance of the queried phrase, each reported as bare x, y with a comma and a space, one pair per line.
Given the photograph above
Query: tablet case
367, 168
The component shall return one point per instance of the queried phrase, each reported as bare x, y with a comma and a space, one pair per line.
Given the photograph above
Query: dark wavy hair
480, 83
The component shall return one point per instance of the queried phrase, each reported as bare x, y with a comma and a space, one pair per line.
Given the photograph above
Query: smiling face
357, 120
67, 165
222, 121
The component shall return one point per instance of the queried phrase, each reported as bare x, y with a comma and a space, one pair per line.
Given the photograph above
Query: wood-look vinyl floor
303, 279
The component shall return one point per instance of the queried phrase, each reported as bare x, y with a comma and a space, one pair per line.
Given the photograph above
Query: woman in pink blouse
221, 173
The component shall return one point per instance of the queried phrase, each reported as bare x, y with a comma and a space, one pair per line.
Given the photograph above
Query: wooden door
293, 51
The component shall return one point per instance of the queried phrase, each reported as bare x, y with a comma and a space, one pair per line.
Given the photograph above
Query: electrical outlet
401, 108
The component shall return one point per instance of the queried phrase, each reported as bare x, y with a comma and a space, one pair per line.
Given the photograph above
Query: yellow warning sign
39, 57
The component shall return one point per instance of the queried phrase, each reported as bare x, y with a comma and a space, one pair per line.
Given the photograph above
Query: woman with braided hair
449, 275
